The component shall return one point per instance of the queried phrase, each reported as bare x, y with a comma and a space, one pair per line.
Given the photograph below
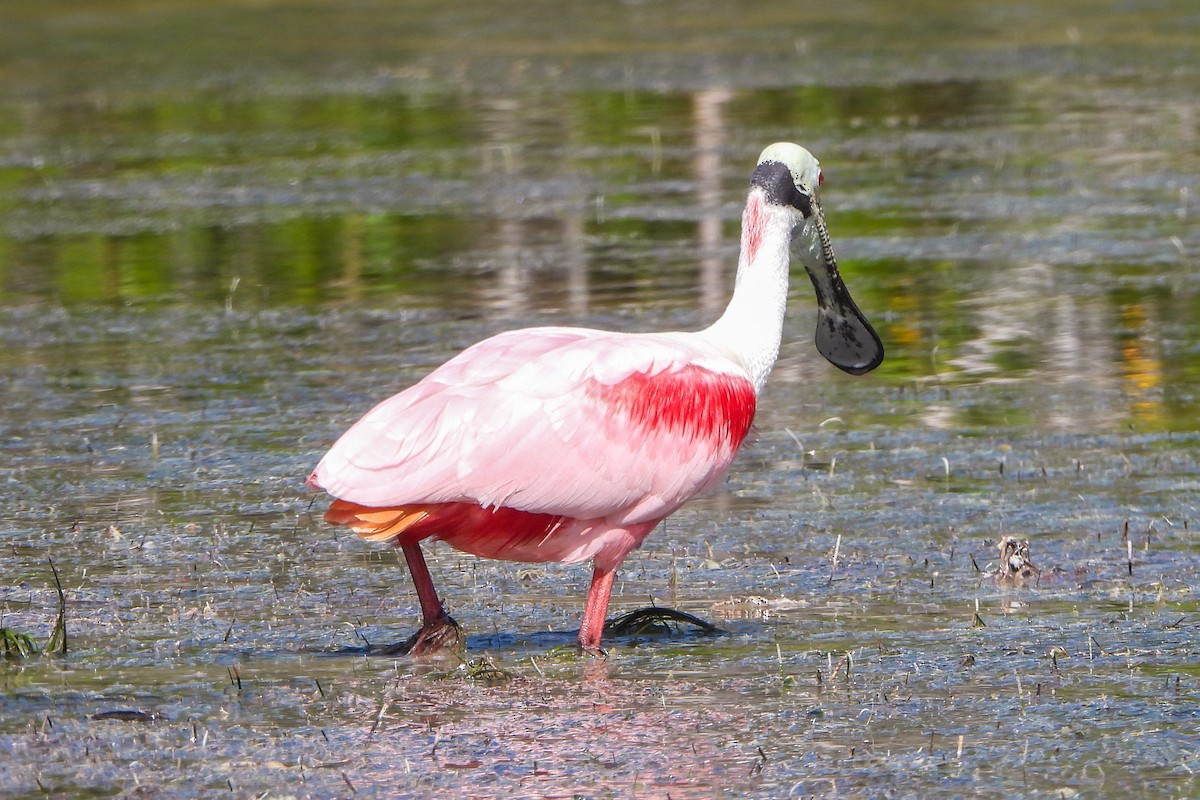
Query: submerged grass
16, 645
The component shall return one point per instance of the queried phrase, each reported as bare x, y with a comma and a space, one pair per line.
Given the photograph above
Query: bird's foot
438, 637
595, 651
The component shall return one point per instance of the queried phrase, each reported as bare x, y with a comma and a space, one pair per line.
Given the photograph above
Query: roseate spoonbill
567, 444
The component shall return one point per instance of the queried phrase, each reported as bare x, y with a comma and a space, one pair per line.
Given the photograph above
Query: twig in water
58, 640
799, 445
757, 767
837, 548
846, 659
383, 707
235, 678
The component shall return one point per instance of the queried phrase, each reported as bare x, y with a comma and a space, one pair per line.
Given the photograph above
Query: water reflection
711, 129
569, 205
999, 226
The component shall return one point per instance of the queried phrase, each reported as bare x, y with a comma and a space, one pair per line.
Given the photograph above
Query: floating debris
1016, 567
754, 606
127, 715
481, 669
654, 620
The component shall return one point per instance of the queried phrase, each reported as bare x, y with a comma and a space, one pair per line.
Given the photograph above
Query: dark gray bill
844, 336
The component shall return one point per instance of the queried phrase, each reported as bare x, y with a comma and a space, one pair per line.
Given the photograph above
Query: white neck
752, 325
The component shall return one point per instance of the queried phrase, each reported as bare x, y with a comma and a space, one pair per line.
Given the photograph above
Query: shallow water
228, 228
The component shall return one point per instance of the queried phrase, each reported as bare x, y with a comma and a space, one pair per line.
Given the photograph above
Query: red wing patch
692, 401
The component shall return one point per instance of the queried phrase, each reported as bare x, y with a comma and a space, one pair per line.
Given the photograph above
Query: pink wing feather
579, 423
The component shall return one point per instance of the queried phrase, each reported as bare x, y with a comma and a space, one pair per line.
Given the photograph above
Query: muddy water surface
228, 228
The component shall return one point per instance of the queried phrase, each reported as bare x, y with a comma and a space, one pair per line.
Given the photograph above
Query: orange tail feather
375, 524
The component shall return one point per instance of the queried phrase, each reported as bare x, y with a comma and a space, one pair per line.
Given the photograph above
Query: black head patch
774, 178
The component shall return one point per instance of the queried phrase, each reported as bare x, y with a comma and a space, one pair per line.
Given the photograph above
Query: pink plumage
567, 444
562, 421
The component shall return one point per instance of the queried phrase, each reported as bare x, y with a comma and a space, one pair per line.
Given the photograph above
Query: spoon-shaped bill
844, 336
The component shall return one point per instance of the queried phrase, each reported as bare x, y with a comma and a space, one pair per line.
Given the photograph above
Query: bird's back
563, 421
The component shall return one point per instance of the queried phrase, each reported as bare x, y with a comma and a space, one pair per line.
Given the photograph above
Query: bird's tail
375, 524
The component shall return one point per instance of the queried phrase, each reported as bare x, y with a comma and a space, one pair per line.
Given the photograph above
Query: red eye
820, 178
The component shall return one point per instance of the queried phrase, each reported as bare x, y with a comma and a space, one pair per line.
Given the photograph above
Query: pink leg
431, 605
438, 631
592, 628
